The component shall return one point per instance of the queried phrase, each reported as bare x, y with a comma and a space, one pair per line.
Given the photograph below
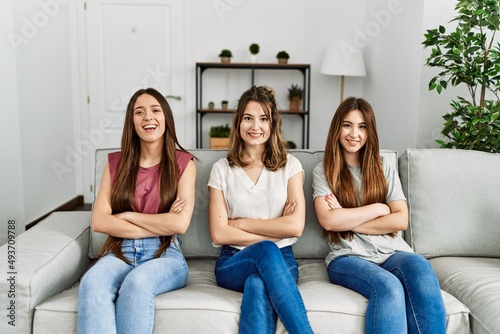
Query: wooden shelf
201, 111
276, 66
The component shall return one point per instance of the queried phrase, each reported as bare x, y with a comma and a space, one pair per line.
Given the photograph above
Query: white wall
431, 105
41, 103
393, 29
11, 164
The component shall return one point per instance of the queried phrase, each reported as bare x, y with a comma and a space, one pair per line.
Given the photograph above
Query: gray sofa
457, 236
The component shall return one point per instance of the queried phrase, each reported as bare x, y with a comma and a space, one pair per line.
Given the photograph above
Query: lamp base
342, 88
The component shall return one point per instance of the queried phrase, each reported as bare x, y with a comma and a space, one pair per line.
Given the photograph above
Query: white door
131, 44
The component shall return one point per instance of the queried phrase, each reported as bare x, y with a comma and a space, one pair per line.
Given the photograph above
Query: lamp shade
343, 58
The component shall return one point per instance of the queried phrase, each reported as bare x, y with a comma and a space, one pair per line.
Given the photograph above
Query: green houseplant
220, 131
254, 50
225, 56
219, 136
291, 145
295, 95
283, 57
469, 56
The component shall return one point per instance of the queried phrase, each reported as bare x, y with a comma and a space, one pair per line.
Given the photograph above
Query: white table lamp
342, 58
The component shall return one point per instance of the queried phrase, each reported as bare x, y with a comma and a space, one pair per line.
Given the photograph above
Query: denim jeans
403, 293
116, 297
267, 276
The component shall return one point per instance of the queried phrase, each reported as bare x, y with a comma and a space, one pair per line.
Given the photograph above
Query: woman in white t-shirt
360, 203
257, 212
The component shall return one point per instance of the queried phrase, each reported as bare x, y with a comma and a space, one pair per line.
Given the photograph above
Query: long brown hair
275, 154
123, 190
338, 175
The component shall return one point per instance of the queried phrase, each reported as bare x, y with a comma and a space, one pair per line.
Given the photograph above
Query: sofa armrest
49, 258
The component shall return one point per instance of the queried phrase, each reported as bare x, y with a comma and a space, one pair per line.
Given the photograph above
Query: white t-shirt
374, 248
262, 200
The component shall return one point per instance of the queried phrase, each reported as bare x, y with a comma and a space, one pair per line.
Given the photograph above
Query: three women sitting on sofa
256, 213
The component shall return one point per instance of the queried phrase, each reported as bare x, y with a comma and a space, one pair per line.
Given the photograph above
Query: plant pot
295, 103
219, 143
225, 60
211, 106
282, 61
253, 58
224, 106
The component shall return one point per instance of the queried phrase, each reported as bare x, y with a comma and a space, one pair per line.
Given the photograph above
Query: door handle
176, 97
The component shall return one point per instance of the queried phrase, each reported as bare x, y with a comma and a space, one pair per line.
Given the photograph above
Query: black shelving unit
305, 69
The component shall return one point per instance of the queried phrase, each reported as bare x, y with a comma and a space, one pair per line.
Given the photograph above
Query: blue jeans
267, 276
116, 297
403, 293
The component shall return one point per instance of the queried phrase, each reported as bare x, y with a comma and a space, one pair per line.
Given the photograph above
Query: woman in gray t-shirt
360, 203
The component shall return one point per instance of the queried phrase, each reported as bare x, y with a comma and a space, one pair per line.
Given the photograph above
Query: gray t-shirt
374, 248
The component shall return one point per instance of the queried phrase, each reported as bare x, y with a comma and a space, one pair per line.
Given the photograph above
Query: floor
82, 207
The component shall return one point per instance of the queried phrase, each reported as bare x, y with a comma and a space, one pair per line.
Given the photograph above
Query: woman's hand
177, 205
289, 208
332, 201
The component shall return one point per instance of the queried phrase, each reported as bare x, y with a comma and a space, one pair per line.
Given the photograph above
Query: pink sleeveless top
147, 187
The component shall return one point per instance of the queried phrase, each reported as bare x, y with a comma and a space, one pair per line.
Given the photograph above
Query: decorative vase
295, 103
282, 61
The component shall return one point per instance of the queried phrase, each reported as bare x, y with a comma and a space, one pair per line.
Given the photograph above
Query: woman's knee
255, 283
412, 265
391, 289
95, 289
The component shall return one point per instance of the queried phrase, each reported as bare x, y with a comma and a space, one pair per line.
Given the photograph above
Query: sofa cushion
453, 200
200, 305
475, 282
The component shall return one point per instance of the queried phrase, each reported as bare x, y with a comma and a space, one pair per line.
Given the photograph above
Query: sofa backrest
454, 201
196, 241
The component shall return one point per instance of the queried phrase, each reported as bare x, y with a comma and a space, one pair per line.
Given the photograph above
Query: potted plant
211, 105
254, 50
295, 95
469, 56
224, 104
291, 145
282, 57
219, 136
225, 56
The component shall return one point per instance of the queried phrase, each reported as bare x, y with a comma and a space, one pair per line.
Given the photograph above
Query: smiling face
353, 136
149, 119
255, 126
